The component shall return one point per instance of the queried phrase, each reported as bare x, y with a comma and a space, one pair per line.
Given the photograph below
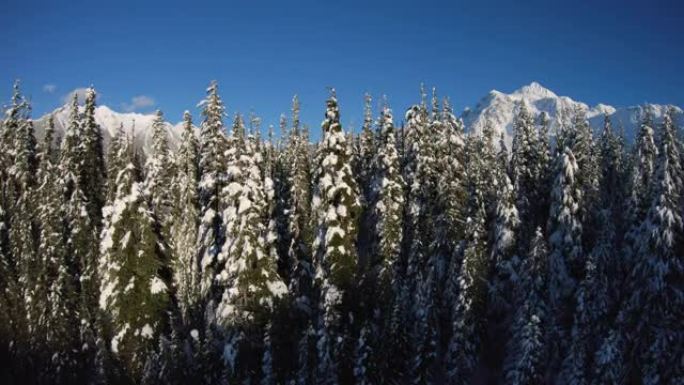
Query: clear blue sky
263, 52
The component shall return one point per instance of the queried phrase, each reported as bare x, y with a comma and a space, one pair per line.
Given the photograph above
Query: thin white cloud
138, 102
81, 92
49, 88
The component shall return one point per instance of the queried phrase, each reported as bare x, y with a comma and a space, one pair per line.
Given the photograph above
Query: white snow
147, 331
277, 288
157, 286
500, 109
117, 338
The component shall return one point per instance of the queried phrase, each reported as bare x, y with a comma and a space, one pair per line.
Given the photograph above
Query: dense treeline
417, 254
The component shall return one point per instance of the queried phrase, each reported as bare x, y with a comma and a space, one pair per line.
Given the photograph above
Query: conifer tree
613, 196
336, 206
134, 289
582, 146
388, 194
643, 160
93, 173
420, 178
113, 163
59, 275
609, 360
23, 226
80, 226
283, 157
248, 274
299, 227
54, 293
565, 228
645, 154
424, 334
590, 313
658, 268
452, 198
527, 345
367, 149
452, 180
565, 258
185, 224
505, 262
470, 301
545, 166
526, 167
159, 173
611, 170
212, 146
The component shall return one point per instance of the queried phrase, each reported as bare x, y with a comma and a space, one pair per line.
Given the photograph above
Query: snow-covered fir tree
159, 173
468, 306
94, 173
388, 186
505, 261
591, 309
248, 273
212, 147
367, 151
565, 247
658, 267
527, 165
185, 214
527, 347
134, 290
336, 206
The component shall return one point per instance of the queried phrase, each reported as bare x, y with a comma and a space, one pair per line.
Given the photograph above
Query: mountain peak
500, 109
535, 90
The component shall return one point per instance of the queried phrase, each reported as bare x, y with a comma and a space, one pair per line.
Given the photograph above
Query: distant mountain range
110, 121
500, 109
497, 107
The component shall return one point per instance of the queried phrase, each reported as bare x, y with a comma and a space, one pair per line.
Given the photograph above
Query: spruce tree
55, 289
248, 274
420, 177
656, 293
134, 289
591, 311
452, 180
185, 224
113, 163
23, 226
211, 170
367, 151
94, 172
505, 261
526, 349
388, 186
159, 173
470, 301
336, 206
566, 255
643, 160
299, 228
526, 167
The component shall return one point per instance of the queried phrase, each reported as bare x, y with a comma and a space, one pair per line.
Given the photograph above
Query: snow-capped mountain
497, 107
110, 121
500, 109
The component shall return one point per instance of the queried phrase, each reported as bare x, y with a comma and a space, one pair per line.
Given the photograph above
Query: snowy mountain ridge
500, 109
137, 124
497, 107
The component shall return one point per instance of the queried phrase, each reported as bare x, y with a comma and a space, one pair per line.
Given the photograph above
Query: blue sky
147, 54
